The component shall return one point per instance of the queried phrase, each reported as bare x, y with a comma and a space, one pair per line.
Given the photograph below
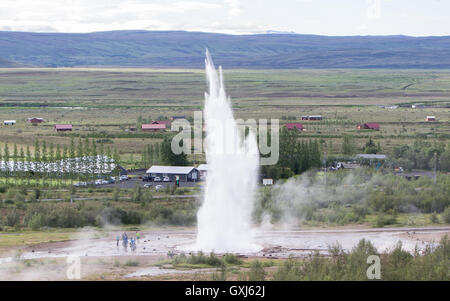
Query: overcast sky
324, 17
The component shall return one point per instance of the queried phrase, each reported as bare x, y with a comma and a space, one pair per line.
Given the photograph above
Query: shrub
137, 194
232, 259
116, 194
69, 217
446, 215
256, 272
384, 220
181, 191
220, 274
12, 218
99, 222
19, 197
132, 263
396, 265
434, 218
36, 222
199, 258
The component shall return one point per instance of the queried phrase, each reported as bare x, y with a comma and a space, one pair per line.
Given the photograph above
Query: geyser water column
225, 218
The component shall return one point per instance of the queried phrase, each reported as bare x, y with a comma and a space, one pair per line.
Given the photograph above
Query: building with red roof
294, 126
153, 127
369, 126
166, 122
63, 127
35, 120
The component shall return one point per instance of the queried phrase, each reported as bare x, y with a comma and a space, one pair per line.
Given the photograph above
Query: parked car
146, 178
157, 179
111, 180
104, 182
166, 179
123, 178
148, 185
80, 184
158, 187
98, 182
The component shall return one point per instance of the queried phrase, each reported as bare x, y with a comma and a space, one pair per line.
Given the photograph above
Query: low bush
257, 272
132, 263
12, 218
397, 265
232, 259
385, 220
446, 215
198, 259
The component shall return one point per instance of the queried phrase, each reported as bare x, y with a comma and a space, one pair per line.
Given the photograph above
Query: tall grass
432, 264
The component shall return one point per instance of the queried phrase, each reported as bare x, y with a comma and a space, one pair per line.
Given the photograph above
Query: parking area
135, 179
133, 182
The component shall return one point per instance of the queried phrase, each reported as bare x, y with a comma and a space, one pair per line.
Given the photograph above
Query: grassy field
101, 102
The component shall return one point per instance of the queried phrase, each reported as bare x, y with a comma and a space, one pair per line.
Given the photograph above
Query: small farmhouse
294, 126
431, 118
312, 117
183, 173
166, 122
267, 182
9, 122
153, 127
369, 126
347, 165
35, 120
371, 156
63, 127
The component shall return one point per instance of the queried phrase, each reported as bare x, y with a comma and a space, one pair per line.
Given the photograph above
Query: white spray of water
224, 219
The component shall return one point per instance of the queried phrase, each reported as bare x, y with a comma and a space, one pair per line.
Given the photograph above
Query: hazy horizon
269, 32
416, 18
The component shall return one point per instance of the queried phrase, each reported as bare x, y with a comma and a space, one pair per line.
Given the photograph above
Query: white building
9, 122
203, 170
182, 173
371, 156
267, 182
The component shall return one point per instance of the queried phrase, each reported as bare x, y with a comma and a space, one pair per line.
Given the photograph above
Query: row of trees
348, 146
161, 153
151, 154
422, 155
295, 156
79, 160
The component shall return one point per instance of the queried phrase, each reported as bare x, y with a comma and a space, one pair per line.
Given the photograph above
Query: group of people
125, 238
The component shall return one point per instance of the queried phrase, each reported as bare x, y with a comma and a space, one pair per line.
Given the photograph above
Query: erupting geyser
224, 219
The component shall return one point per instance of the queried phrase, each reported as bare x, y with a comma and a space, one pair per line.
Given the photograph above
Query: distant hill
186, 50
